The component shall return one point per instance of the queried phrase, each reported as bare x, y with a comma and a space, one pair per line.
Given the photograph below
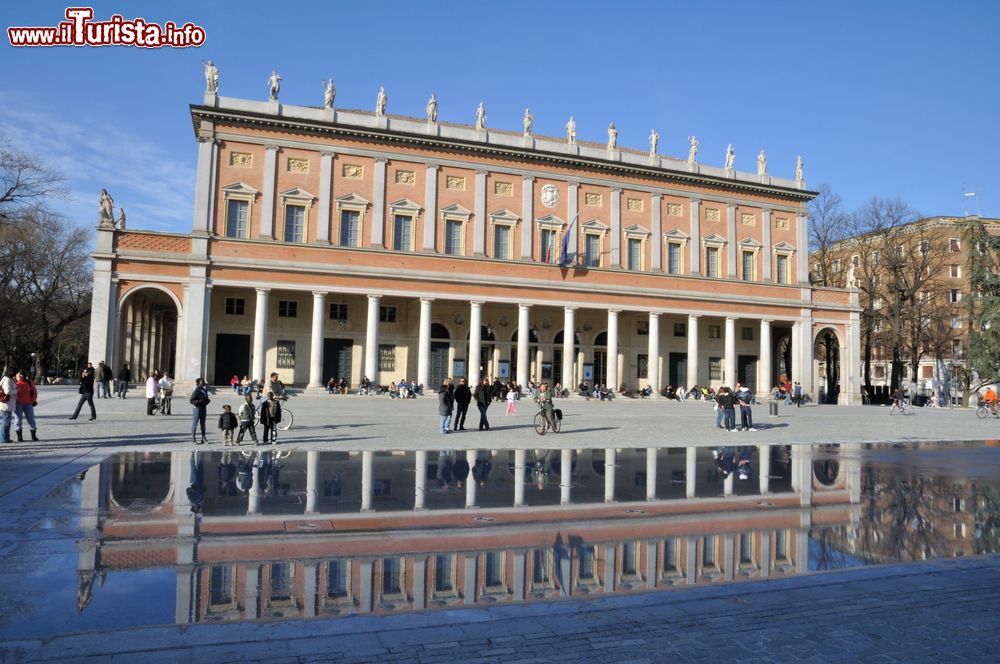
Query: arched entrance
438, 369
826, 352
147, 332
781, 369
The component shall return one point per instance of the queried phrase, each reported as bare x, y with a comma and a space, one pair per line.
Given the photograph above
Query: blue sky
888, 98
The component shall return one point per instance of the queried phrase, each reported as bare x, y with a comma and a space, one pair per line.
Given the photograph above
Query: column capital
318, 295
569, 309
433, 167
731, 319
573, 183
374, 298
694, 316
426, 300
656, 197
381, 160
275, 148
521, 306
482, 171
614, 312
260, 291
477, 304
695, 200
528, 178
654, 314
327, 153
766, 321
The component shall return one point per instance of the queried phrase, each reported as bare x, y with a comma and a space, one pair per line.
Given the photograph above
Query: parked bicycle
543, 423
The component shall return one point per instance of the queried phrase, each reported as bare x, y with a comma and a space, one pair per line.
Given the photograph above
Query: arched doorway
440, 347
826, 352
147, 332
781, 370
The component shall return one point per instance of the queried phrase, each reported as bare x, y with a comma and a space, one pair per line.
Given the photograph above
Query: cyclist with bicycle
270, 415
898, 400
544, 400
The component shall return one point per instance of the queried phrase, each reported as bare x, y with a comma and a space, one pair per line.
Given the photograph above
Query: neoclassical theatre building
333, 243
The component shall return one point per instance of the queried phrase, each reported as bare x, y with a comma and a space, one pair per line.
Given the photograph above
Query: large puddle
257, 534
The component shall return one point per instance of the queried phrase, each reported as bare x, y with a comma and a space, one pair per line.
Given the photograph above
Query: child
227, 422
270, 415
511, 402
247, 423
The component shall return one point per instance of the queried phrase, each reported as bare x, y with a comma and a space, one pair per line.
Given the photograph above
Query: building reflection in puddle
262, 534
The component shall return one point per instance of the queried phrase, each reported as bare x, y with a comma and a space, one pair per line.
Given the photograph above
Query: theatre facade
330, 243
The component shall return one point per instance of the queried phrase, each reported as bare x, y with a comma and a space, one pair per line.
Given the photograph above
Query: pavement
941, 610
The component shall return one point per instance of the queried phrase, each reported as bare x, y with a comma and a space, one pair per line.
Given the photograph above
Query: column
367, 472
764, 370
309, 584
371, 341
325, 187
420, 479
565, 477
764, 464
569, 336
260, 335
728, 557
253, 589
731, 352
810, 366
430, 200
765, 251
616, 228
612, 377
378, 205
518, 478
732, 242
523, 338
692, 354
657, 238
727, 485
208, 157
184, 607
653, 353
610, 550
102, 316
469, 584
366, 591
316, 341
475, 343
801, 250
572, 210
539, 358
268, 195
312, 481
690, 470
254, 494
471, 485
479, 232
651, 473
609, 475
197, 298
420, 583
424, 345
519, 575
527, 212
695, 259
797, 368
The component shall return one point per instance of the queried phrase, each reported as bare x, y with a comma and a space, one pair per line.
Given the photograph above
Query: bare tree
828, 226
25, 182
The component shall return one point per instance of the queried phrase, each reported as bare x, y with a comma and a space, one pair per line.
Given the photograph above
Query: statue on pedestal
329, 93
852, 279
730, 157
761, 163
693, 149
211, 77
107, 217
571, 131
654, 139
273, 86
480, 117
432, 109
612, 137
381, 102
527, 122
798, 169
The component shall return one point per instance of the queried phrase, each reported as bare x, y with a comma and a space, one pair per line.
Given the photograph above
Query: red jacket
26, 392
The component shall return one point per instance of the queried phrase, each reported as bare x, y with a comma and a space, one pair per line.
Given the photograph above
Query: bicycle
987, 409
542, 422
287, 418
903, 406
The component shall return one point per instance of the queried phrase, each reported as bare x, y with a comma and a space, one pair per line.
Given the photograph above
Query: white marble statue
654, 139
852, 279
432, 108
121, 219
107, 217
571, 131
329, 93
798, 169
730, 157
381, 102
273, 86
761, 163
480, 117
612, 136
527, 122
211, 77
693, 149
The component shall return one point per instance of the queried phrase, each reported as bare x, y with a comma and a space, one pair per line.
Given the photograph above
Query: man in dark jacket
86, 393
446, 403
463, 397
483, 396
124, 378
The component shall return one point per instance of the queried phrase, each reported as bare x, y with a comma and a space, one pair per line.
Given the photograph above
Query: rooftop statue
693, 150
612, 136
527, 122
381, 102
480, 116
761, 163
107, 217
329, 93
730, 157
798, 169
654, 139
211, 77
432, 109
571, 131
273, 86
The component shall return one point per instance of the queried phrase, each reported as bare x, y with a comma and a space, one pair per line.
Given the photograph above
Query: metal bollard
772, 409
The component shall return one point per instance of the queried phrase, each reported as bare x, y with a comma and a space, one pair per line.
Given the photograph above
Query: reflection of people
481, 469
444, 467
196, 485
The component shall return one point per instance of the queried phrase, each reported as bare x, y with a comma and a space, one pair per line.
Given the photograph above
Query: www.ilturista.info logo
80, 30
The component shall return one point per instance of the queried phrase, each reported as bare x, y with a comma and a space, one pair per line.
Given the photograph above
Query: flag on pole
564, 258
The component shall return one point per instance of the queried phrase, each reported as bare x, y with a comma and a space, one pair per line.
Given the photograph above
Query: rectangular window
642, 366
670, 556
453, 237
715, 368
680, 329
286, 354
876, 257
288, 309
782, 269
236, 219
235, 306
392, 576
956, 322
708, 551
221, 585
955, 296
955, 271
587, 563
954, 245
836, 265
281, 582
402, 229
746, 548
592, 250
386, 357
501, 242
714, 331
443, 566
956, 348
924, 247
350, 227
295, 223
748, 274
630, 558
494, 569
781, 545
338, 311
856, 261
712, 262
547, 246
387, 314
747, 334
336, 579
674, 258
540, 566
635, 255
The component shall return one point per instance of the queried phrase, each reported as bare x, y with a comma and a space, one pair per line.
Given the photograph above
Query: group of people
790, 393
268, 414
726, 401
595, 391
159, 393
454, 469
105, 383
729, 460
454, 401
337, 386
18, 398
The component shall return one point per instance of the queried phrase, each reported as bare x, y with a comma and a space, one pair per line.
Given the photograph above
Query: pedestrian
166, 384
798, 395
444, 469
199, 410
727, 403
228, 423
743, 467
248, 414
744, 397
481, 469
27, 399
152, 392
463, 397
483, 396
511, 402
8, 398
270, 415
103, 378
446, 404
86, 393
460, 469
124, 378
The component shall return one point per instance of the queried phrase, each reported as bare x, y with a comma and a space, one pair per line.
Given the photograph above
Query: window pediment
504, 216
595, 226
784, 248
404, 206
636, 232
298, 194
352, 200
676, 235
239, 189
750, 243
456, 210
550, 222
714, 240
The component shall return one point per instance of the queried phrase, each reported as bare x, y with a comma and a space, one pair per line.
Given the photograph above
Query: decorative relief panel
503, 188
549, 196
355, 171
634, 204
748, 219
404, 177
711, 214
298, 165
593, 199
781, 223
675, 209
455, 182
241, 159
